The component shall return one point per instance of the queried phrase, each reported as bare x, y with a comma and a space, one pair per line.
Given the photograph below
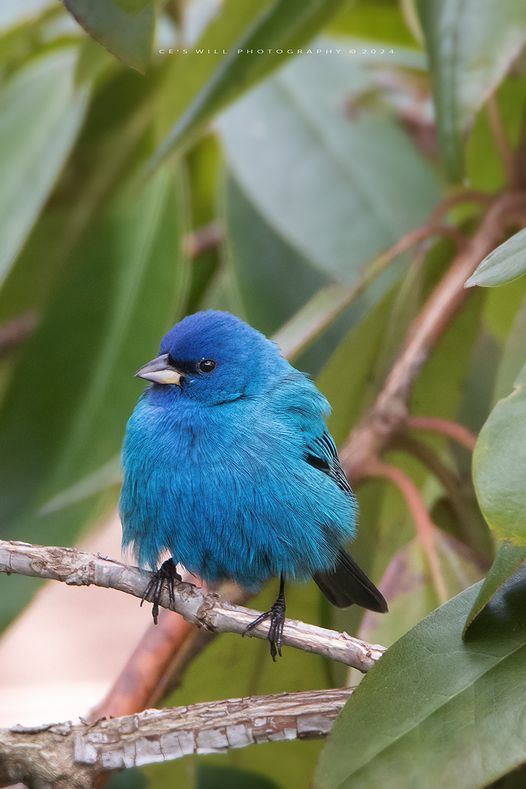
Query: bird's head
215, 357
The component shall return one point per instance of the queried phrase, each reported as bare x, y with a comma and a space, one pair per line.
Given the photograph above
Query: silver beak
160, 371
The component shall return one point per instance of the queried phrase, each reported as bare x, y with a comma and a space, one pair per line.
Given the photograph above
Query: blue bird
229, 466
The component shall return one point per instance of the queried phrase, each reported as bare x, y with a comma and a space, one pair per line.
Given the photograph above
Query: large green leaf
498, 466
507, 561
471, 44
504, 264
125, 28
246, 42
41, 111
119, 296
437, 710
339, 187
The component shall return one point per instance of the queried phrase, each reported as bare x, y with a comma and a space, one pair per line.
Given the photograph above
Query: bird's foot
276, 614
166, 574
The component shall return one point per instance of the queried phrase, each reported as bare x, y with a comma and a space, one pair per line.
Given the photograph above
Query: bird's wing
321, 453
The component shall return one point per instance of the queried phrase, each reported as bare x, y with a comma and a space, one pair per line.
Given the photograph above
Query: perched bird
229, 466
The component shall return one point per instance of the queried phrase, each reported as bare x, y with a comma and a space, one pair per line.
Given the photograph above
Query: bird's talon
276, 614
166, 574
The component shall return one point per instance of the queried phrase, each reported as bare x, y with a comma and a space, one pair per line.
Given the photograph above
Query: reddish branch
390, 413
425, 528
445, 427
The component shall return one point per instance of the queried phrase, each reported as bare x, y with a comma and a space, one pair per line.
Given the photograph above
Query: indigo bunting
229, 466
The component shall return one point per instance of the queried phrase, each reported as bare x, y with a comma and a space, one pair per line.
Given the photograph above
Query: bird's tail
348, 584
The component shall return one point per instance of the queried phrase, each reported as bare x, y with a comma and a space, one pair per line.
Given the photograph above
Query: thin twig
72, 756
424, 526
389, 414
204, 609
445, 427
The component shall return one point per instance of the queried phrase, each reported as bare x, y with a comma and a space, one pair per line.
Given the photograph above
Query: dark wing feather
323, 455
347, 583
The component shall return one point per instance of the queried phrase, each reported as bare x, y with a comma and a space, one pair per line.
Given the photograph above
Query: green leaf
504, 264
499, 461
508, 560
32, 153
291, 140
133, 6
122, 289
278, 25
211, 776
514, 353
437, 710
127, 33
260, 259
470, 44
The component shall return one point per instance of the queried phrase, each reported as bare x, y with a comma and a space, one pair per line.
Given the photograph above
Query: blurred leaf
499, 461
274, 280
409, 589
204, 169
504, 264
292, 139
104, 477
119, 296
32, 153
126, 32
514, 353
133, 6
508, 560
484, 166
380, 20
435, 704
215, 777
349, 395
457, 32
268, 24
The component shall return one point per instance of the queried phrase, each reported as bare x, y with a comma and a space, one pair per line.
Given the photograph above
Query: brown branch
445, 427
389, 414
425, 528
73, 756
207, 610
16, 331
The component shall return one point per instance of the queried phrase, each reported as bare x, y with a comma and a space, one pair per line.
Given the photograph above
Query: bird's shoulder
300, 403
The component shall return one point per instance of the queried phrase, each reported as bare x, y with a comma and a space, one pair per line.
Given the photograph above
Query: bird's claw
166, 574
276, 614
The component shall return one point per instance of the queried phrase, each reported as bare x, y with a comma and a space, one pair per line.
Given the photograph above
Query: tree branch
204, 609
72, 756
389, 414
445, 427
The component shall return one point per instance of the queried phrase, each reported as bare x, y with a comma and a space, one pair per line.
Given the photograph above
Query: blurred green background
256, 156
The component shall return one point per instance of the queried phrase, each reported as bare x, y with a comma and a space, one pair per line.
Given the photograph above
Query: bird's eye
206, 365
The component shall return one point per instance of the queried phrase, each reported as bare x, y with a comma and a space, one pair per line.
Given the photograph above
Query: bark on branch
72, 756
205, 609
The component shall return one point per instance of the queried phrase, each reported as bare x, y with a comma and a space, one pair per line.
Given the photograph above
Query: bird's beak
160, 371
